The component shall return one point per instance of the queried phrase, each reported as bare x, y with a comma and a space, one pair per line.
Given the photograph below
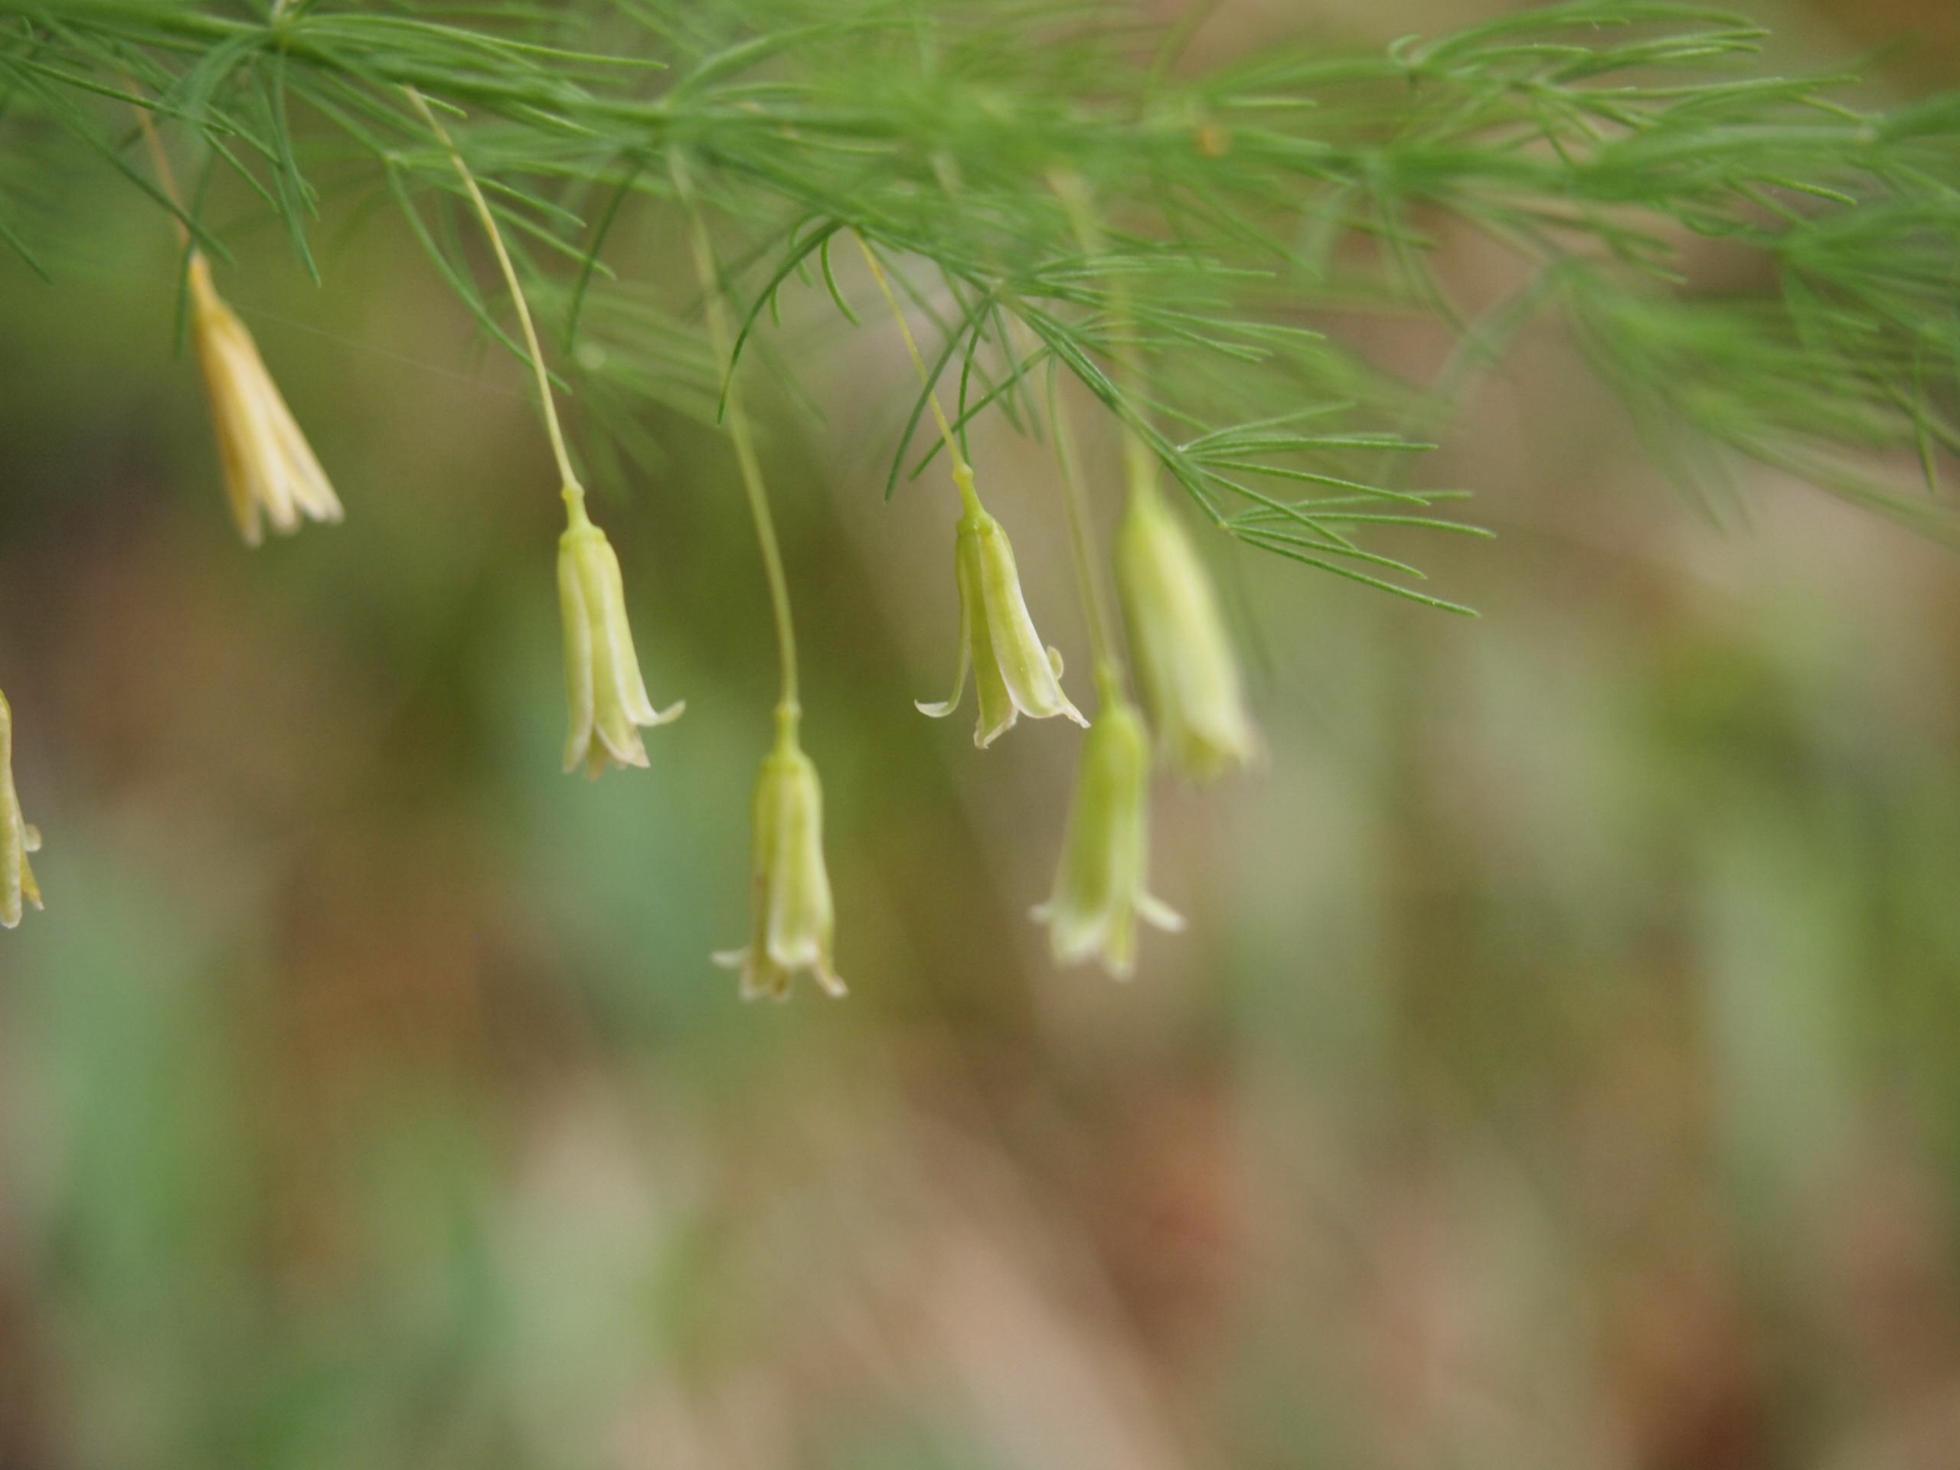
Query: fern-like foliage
1612, 148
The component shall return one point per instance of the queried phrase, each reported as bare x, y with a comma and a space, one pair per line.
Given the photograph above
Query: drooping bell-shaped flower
1014, 672
1183, 656
793, 918
17, 838
604, 689
270, 472
1099, 890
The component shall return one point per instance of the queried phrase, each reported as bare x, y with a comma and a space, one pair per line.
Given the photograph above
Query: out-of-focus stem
746, 458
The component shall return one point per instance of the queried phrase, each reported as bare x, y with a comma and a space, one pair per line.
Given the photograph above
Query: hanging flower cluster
1189, 678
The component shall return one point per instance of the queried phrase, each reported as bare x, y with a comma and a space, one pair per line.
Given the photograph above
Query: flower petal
1155, 912
942, 708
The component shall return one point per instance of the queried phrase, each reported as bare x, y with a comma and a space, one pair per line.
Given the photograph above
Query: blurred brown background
1562, 1069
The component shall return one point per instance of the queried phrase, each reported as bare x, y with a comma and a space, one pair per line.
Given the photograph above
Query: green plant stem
1096, 605
962, 471
166, 175
745, 456
1138, 459
574, 493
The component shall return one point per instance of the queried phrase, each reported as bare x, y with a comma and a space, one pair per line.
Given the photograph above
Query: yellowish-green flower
792, 908
604, 689
270, 472
1183, 656
1014, 672
17, 838
1099, 891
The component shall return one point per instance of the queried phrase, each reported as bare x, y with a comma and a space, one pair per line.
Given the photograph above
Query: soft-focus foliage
1593, 142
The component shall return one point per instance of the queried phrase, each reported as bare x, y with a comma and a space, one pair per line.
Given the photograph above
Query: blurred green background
1562, 1069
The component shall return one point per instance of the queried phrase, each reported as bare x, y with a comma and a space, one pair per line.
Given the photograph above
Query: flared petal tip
771, 981
984, 736
600, 751
252, 531
1073, 936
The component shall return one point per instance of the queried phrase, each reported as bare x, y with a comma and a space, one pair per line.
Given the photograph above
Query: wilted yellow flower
17, 838
604, 689
1184, 658
792, 908
1014, 672
270, 473
1099, 892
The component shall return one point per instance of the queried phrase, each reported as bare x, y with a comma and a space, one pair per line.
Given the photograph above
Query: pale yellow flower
1014, 672
793, 917
270, 472
1183, 654
604, 689
1099, 890
17, 838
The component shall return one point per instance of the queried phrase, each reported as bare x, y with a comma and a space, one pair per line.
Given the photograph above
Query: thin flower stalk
605, 690
792, 914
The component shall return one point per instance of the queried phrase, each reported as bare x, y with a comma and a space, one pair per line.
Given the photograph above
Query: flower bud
1099, 892
604, 690
1183, 657
1014, 672
17, 839
270, 473
792, 908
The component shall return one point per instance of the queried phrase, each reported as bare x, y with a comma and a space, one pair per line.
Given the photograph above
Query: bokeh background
1562, 1068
